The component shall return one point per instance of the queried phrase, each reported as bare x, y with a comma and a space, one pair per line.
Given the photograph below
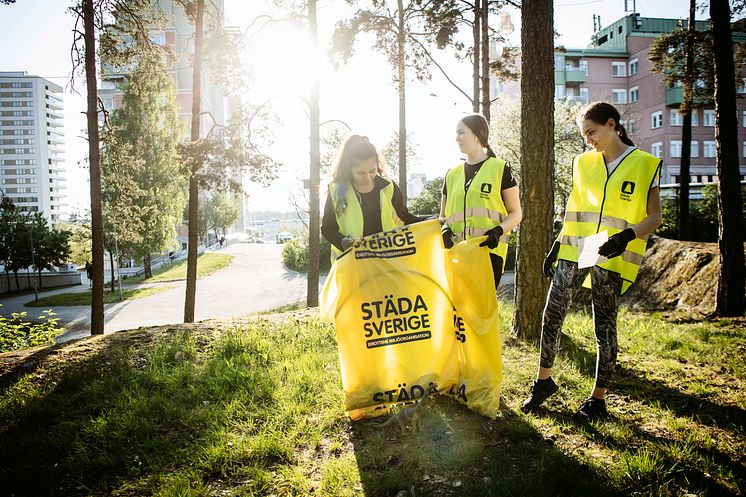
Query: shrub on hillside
18, 333
295, 254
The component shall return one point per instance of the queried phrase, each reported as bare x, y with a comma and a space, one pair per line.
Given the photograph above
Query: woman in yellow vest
614, 189
360, 201
480, 196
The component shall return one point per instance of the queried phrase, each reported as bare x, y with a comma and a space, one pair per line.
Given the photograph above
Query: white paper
588, 248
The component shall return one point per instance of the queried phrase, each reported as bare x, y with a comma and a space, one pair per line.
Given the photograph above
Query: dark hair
354, 150
600, 113
481, 129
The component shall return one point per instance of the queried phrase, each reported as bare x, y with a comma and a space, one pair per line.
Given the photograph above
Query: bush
18, 333
295, 254
703, 216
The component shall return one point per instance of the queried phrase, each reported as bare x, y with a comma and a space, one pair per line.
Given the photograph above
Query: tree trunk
191, 280
731, 300
537, 163
314, 222
41, 282
401, 40
477, 35
147, 263
485, 59
18, 283
684, 176
97, 223
111, 267
686, 132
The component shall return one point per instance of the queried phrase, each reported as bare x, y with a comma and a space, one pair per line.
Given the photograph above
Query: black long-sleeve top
371, 206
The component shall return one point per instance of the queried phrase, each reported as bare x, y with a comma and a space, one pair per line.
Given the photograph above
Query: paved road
255, 281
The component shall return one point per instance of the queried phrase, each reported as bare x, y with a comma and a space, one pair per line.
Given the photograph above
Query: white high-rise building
32, 144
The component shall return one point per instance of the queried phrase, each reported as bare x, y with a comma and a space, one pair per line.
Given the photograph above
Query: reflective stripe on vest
473, 212
613, 203
350, 219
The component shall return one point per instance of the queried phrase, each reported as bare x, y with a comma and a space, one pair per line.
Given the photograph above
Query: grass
84, 298
207, 264
255, 407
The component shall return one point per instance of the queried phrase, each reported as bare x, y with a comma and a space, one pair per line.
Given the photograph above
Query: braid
623, 135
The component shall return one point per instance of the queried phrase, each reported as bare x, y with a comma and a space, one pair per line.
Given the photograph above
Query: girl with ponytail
614, 189
480, 196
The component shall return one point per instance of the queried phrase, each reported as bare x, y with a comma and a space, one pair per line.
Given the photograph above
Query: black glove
617, 243
493, 237
448, 237
550, 259
347, 242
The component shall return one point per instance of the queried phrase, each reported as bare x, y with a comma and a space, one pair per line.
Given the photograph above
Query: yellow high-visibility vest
615, 202
472, 212
350, 214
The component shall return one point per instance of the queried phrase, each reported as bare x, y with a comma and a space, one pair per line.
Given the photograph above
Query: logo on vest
486, 189
628, 188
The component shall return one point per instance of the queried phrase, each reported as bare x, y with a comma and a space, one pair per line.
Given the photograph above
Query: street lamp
33, 262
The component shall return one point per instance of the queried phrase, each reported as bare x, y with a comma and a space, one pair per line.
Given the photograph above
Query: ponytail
623, 135
490, 153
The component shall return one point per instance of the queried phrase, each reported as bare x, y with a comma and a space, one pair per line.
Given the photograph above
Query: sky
360, 93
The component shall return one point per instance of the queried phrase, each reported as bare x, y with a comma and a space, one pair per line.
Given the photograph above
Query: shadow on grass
627, 382
457, 452
119, 418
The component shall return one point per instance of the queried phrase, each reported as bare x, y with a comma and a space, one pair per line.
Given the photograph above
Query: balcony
575, 75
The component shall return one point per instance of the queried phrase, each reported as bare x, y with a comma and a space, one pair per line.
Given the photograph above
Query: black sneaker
541, 390
593, 409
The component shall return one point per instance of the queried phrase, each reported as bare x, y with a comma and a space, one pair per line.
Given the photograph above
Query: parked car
283, 236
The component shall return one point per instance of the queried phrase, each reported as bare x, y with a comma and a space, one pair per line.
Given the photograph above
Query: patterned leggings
606, 290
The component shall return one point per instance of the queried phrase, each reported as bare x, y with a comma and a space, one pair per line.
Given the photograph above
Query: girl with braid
614, 189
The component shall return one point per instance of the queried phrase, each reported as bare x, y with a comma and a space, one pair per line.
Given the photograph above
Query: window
108, 102
744, 119
675, 148
741, 87
709, 118
657, 149
618, 69
744, 149
584, 95
709, 149
634, 94
620, 96
676, 118
695, 117
694, 148
656, 120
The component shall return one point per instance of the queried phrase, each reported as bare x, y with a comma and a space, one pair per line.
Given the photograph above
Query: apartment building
615, 68
32, 144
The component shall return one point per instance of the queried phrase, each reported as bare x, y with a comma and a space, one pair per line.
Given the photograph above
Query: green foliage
428, 202
390, 154
505, 137
295, 254
80, 240
256, 408
218, 213
142, 188
703, 216
17, 332
27, 240
667, 55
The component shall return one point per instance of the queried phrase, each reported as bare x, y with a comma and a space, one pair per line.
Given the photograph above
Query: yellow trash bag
392, 306
475, 324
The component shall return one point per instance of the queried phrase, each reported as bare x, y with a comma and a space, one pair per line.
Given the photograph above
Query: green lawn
207, 264
84, 298
255, 407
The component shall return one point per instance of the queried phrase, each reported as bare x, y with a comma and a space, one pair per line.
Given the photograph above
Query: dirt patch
677, 275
